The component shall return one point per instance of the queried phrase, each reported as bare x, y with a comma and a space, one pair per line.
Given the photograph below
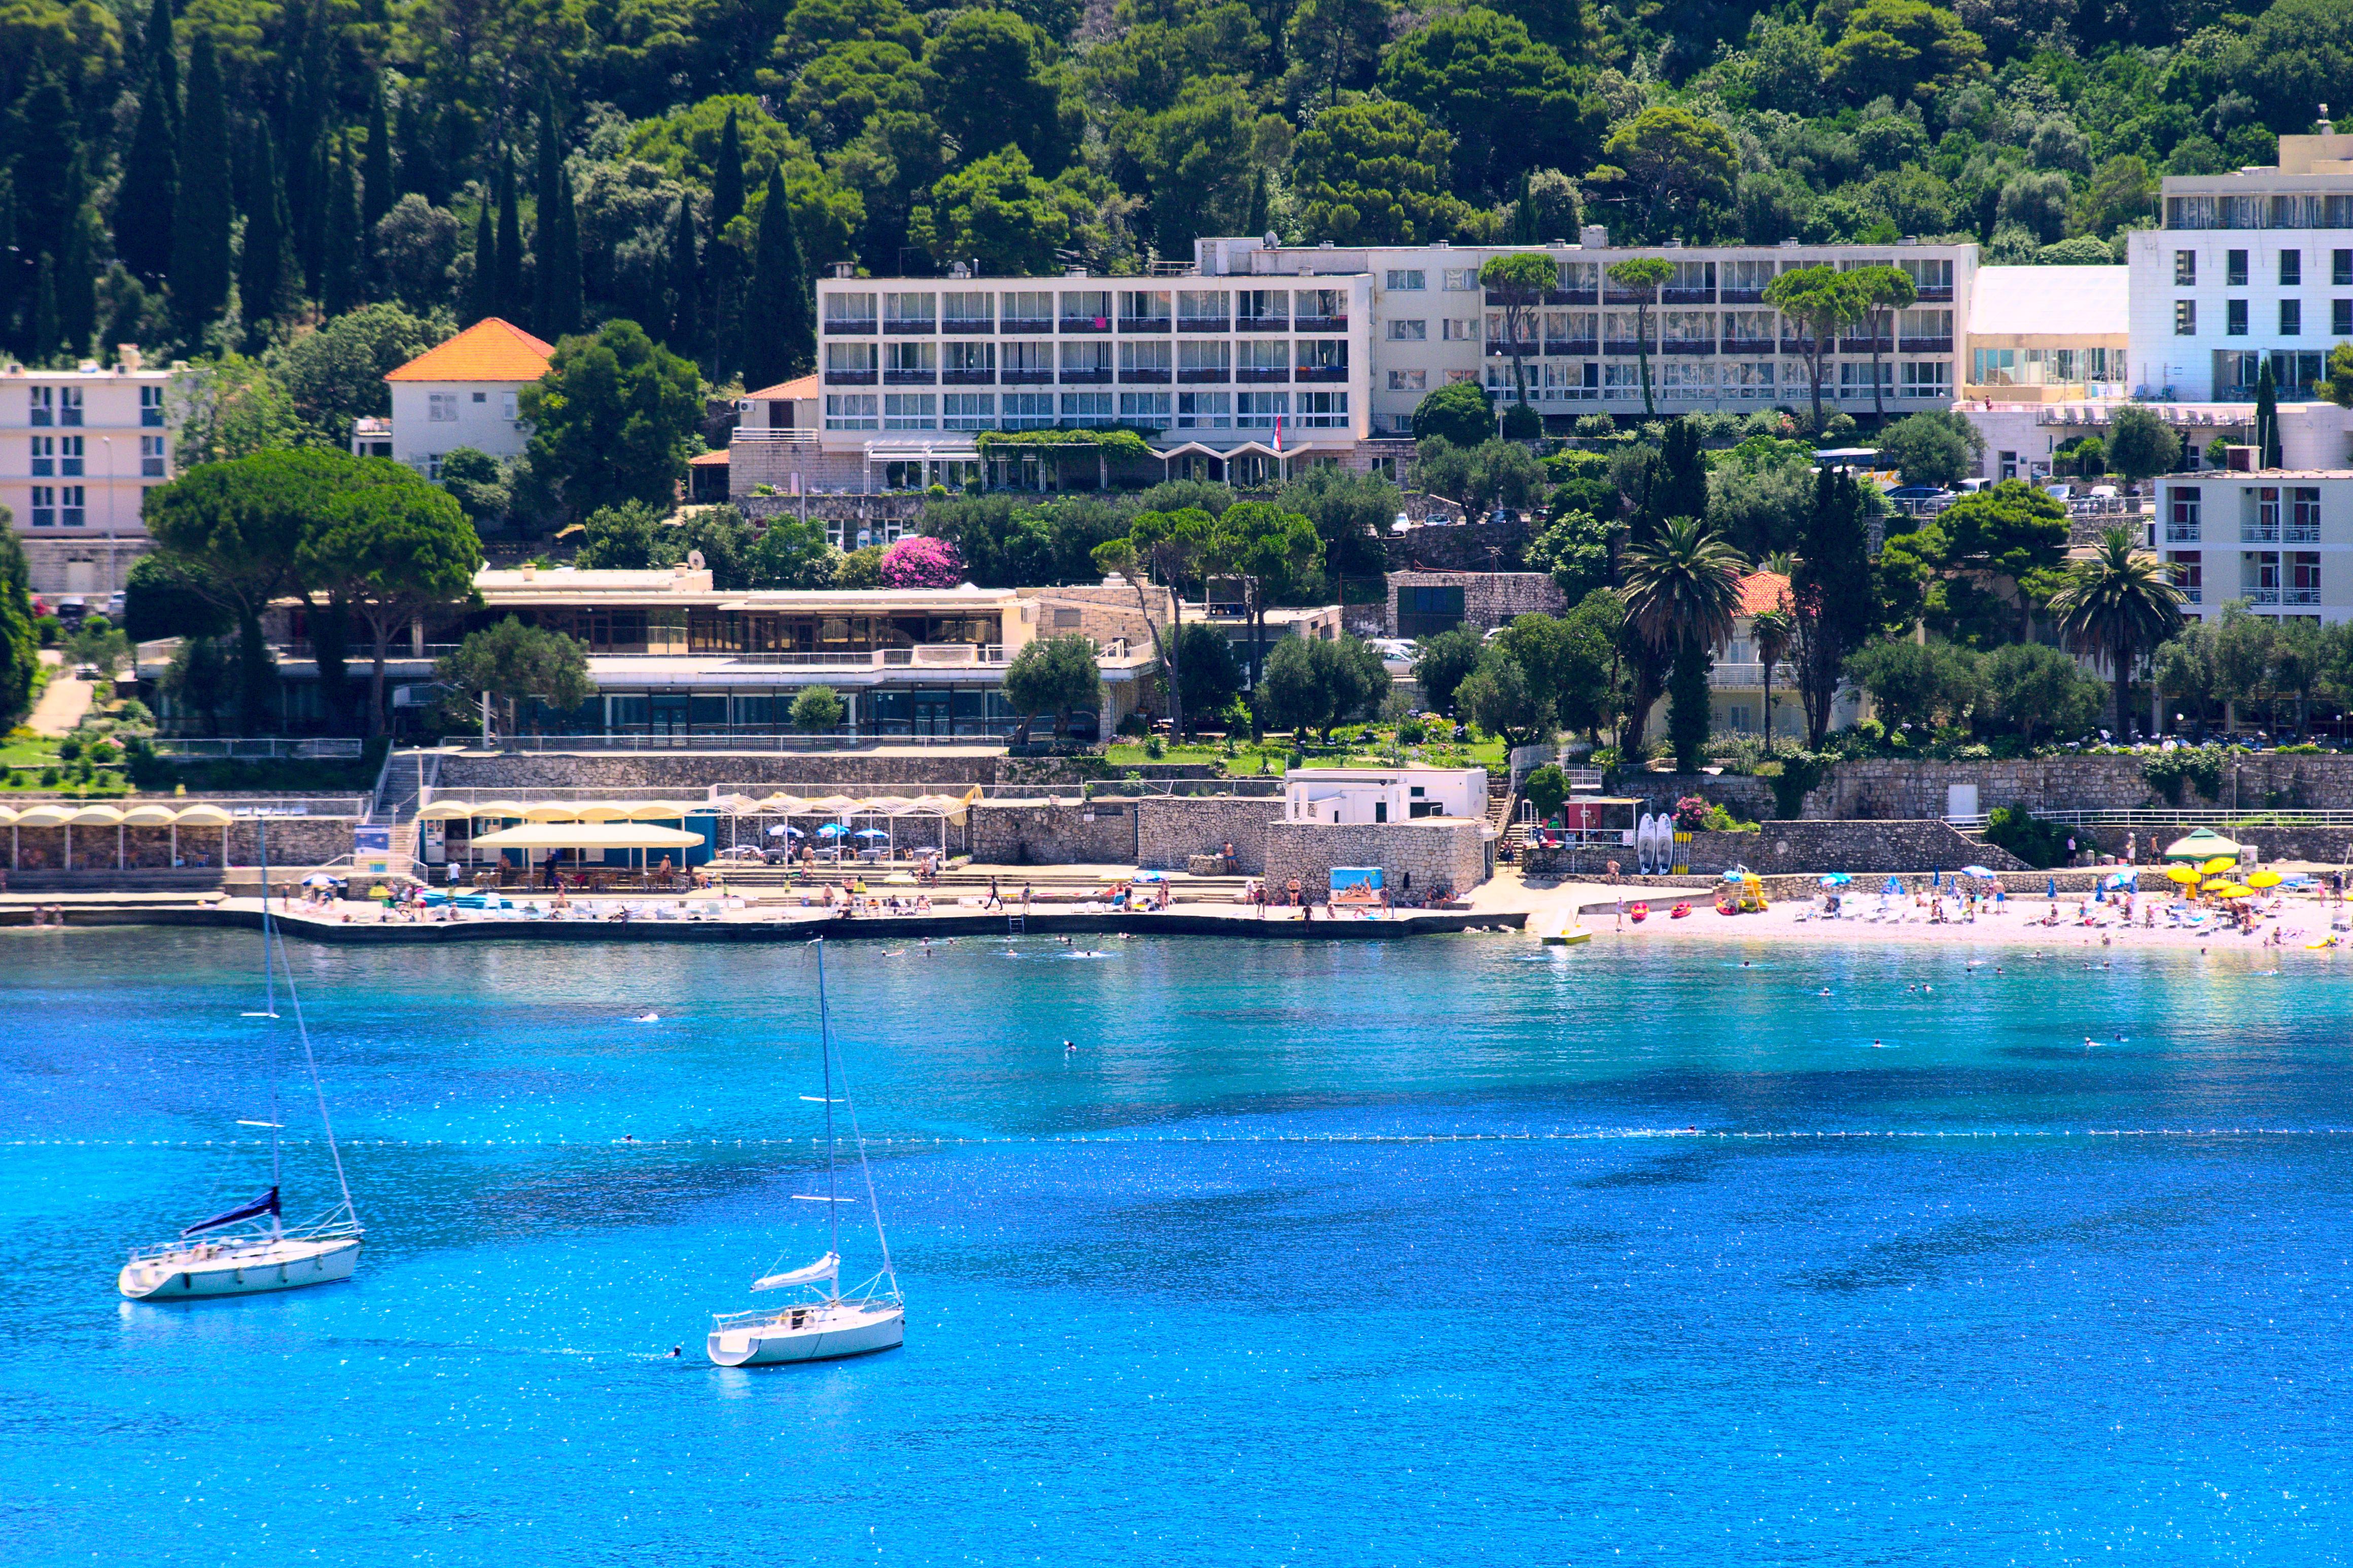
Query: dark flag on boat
252, 1209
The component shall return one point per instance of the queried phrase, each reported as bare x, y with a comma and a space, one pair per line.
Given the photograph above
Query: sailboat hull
201, 1273
822, 1334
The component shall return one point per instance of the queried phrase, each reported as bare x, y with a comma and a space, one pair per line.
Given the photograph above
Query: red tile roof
490, 349
795, 390
1763, 590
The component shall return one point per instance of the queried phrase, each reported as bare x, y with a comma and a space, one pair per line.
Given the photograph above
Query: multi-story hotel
1259, 354
2281, 539
2251, 265
78, 450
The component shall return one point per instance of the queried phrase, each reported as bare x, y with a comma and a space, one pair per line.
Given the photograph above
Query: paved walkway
63, 702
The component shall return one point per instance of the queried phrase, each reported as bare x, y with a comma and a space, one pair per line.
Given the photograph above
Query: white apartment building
2280, 538
1712, 341
462, 393
78, 450
2251, 266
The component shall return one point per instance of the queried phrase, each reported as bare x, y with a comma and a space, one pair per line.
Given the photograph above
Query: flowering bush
920, 561
1691, 814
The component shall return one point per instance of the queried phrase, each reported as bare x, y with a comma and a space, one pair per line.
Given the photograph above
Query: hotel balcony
1620, 346
1144, 377
1740, 296
911, 327
2259, 596
1688, 346
1280, 376
1614, 295
1026, 377
2182, 533
1935, 293
1015, 325
1085, 325
1572, 297
1144, 323
2300, 596
967, 378
1204, 324
1326, 373
1746, 346
911, 378
1217, 377
1262, 324
1070, 377
982, 327
1943, 346
1867, 345
850, 327
1574, 348
1320, 324
2258, 533
1672, 296
1750, 678
851, 377
2300, 533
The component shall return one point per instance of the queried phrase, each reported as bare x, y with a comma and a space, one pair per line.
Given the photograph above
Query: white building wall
2281, 538
2234, 310
79, 451
431, 419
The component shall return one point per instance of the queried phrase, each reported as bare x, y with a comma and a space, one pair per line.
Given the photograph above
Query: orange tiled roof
794, 391
1763, 590
490, 349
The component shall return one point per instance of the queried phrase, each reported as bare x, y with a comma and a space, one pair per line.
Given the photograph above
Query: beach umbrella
2219, 863
552, 811
2235, 891
2214, 884
2181, 873
1837, 879
2265, 880
1894, 885
869, 832
2204, 843
318, 879
832, 830
2051, 888
444, 811
780, 830
665, 810
1977, 871
151, 814
601, 811
204, 816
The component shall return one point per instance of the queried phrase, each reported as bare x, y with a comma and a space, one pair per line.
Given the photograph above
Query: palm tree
1683, 592
2117, 602
1775, 630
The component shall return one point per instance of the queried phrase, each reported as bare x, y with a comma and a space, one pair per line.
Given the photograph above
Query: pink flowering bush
920, 561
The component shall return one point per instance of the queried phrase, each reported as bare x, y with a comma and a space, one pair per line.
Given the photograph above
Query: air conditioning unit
743, 406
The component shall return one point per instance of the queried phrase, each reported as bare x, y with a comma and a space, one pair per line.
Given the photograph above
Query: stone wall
1428, 858
293, 841
1171, 830
1488, 598
1890, 788
1799, 847
1028, 833
696, 772
1750, 799
1482, 547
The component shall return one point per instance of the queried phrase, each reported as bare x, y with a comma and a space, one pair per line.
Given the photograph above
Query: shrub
1546, 788
921, 561
1691, 814
2167, 770
1155, 747
1793, 775
2041, 844
69, 748
1410, 733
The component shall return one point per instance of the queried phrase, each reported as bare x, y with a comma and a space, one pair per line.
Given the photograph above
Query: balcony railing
850, 377
1572, 297
981, 327
1204, 324
1749, 677
2182, 533
1688, 346
2259, 596
1740, 296
1572, 348
1086, 324
1320, 373
968, 377
1672, 296
1263, 324
2300, 596
1026, 377
1943, 346
1747, 346
2258, 533
2301, 533
1614, 295
911, 378
1320, 324
1216, 377
1499, 348
1935, 293
1082, 377
946, 655
1142, 377
911, 326
1620, 346
1250, 376
1866, 345
2191, 592
1144, 323
1012, 325
850, 326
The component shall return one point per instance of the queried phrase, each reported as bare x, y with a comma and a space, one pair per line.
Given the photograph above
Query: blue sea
1444, 1251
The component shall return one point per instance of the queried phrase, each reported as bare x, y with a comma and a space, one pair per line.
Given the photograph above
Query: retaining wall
698, 771
1171, 830
1784, 848
1030, 832
1900, 789
1431, 856
293, 841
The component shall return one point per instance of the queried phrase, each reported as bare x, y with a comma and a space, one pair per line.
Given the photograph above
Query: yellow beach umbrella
2236, 890
603, 811
2214, 884
444, 811
2219, 863
2265, 880
499, 808
662, 810
2181, 874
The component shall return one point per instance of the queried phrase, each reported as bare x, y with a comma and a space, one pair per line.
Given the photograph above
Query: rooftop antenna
2328, 126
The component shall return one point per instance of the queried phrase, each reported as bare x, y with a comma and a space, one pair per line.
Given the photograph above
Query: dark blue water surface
1348, 1253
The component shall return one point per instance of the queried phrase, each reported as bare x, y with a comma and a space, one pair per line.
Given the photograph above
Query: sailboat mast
268, 1005
825, 1049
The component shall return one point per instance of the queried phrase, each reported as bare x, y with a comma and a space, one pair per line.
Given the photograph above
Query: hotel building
2281, 539
78, 450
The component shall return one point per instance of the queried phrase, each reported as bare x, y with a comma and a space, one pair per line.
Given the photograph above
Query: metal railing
318, 746
2169, 817
943, 655
991, 734
1749, 677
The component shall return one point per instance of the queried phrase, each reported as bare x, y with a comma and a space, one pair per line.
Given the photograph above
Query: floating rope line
1628, 1134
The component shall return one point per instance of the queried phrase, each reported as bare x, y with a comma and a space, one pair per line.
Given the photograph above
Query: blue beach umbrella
871, 832
1837, 879
1977, 871
1894, 885
2050, 888
832, 830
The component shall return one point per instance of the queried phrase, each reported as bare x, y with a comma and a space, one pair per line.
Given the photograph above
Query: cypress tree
727, 177
48, 164
265, 280
305, 143
163, 62
200, 236
45, 334
1254, 220
151, 180
1523, 214
560, 257
340, 289
779, 332
77, 285
382, 190
506, 291
411, 137
9, 280
2268, 430
685, 333
481, 287
549, 189
724, 263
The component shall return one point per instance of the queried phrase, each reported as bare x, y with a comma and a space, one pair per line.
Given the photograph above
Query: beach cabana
2203, 844
579, 835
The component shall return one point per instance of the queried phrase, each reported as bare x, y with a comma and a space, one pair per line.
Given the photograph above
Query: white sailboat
817, 1321
248, 1249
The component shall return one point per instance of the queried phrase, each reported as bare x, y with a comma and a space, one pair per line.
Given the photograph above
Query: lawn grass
1367, 748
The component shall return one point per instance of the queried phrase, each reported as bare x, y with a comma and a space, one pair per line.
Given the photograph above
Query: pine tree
78, 284
382, 190
200, 235
482, 287
506, 293
340, 289
44, 336
685, 333
266, 277
151, 180
779, 328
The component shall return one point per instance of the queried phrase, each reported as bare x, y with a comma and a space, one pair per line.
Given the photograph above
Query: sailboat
817, 1321
248, 1249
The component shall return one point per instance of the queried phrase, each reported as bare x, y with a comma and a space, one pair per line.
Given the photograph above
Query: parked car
72, 610
1918, 499
114, 604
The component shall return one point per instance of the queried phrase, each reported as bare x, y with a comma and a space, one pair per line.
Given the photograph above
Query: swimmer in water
1823, 992
1070, 1047
1878, 1046
646, 1018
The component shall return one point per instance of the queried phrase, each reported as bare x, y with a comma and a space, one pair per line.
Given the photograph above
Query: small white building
1383, 795
2049, 334
463, 393
2281, 539
80, 449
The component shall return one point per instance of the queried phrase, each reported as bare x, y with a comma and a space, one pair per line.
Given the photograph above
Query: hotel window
2303, 578
1408, 331
1323, 409
2234, 318
481, 397
1086, 362
2185, 318
44, 404
2340, 318
150, 406
1323, 359
1620, 377
1086, 310
45, 456
44, 506
1205, 410
1146, 410
912, 363
2304, 515
1029, 410
1086, 408
2291, 318
1459, 279
1456, 330
1927, 378
2341, 267
2185, 270
507, 409
967, 313
968, 411
1026, 310
1143, 310
70, 406
1029, 362
441, 407
433, 466
2188, 569
1260, 410
1201, 310
70, 456
2234, 269
69, 512
1262, 310
1406, 280
1268, 360
1854, 377
849, 411
911, 411
2291, 269
1582, 279
1319, 310
2181, 525
846, 359
1408, 381
971, 360
849, 313
910, 312
1144, 360
1201, 362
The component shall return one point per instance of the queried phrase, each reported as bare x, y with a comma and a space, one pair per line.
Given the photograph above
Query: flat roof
2051, 302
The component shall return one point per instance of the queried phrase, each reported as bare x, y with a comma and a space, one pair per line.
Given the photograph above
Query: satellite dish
1273, 241
694, 560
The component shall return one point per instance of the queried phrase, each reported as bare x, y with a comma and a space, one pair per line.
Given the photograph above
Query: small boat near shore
817, 1321
247, 1250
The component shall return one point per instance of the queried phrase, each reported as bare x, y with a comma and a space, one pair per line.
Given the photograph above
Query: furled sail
825, 1267
253, 1208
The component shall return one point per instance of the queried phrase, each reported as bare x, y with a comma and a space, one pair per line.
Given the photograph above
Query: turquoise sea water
1443, 1251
